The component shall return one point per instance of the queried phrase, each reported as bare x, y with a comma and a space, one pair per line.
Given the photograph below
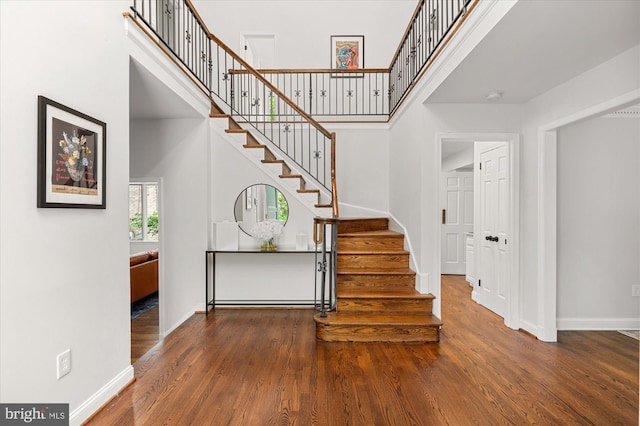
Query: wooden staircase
268, 157
376, 296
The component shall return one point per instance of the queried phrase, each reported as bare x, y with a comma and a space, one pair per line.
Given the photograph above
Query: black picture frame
71, 158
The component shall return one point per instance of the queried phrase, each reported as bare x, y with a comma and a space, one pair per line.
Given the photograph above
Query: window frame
144, 193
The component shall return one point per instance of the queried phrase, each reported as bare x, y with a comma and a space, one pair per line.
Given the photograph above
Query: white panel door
457, 218
493, 224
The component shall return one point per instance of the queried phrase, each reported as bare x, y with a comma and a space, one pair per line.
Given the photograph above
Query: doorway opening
144, 244
547, 329
462, 152
259, 50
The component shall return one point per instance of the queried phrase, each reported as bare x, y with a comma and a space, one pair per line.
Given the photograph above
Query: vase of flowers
75, 154
267, 233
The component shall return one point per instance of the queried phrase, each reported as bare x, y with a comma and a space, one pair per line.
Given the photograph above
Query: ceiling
149, 98
540, 44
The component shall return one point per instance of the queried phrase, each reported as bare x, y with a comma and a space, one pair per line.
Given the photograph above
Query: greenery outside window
143, 211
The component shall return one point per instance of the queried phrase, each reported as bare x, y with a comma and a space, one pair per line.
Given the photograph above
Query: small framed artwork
347, 53
71, 158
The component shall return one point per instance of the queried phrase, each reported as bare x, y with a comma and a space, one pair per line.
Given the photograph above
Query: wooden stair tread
350, 252
272, 161
323, 206
375, 271
220, 115
236, 131
375, 319
253, 146
395, 293
308, 191
291, 176
377, 234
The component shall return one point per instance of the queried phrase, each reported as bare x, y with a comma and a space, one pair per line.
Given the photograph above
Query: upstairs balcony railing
430, 25
251, 98
375, 93
331, 93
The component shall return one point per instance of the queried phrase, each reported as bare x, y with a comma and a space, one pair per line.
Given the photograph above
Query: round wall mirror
258, 203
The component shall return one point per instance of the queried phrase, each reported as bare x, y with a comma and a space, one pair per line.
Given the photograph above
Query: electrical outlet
635, 290
64, 363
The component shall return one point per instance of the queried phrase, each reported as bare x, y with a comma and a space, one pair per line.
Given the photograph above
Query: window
143, 211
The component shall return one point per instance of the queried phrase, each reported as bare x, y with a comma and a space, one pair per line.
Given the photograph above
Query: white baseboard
598, 324
97, 400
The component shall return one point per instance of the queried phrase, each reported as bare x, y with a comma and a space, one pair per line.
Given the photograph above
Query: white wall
598, 225
303, 28
64, 277
362, 168
175, 150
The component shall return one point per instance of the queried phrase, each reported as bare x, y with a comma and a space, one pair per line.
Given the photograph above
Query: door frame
512, 317
547, 328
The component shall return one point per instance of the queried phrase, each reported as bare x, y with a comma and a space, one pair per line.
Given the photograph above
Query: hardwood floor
144, 333
265, 367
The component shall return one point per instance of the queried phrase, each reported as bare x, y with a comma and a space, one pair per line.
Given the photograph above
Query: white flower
267, 230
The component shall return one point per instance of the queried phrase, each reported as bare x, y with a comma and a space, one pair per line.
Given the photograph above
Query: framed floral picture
71, 158
347, 53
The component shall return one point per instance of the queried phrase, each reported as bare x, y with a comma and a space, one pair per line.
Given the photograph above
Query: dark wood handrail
334, 188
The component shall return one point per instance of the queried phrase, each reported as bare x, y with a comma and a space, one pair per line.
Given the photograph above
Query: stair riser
377, 333
370, 243
390, 282
385, 305
390, 261
233, 124
362, 225
256, 154
311, 198
273, 169
293, 184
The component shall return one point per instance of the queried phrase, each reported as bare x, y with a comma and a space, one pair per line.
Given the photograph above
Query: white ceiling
540, 44
149, 98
